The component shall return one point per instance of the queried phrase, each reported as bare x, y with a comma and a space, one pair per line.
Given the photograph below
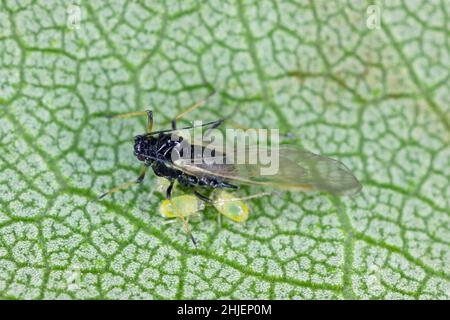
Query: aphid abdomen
191, 181
231, 207
184, 205
162, 170
205, 181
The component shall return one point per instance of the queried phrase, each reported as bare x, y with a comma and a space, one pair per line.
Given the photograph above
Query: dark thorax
160, 152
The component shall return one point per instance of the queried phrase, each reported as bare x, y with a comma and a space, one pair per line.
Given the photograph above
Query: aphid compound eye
137, 141
140, 146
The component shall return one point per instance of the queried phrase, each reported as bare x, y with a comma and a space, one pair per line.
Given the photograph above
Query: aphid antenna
184, 128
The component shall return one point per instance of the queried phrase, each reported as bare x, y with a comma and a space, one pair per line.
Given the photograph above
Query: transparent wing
297, 169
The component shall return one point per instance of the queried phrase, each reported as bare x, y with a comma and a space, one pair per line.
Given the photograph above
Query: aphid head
141, 146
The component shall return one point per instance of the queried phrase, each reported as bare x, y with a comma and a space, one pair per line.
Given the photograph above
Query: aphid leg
254, 196
126, 185
169, 190
190, 109
193, 240
230, 186
149, 121
203, 197
188, 231
185, 222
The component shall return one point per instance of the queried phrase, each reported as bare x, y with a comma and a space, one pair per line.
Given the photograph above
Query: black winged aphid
299, 169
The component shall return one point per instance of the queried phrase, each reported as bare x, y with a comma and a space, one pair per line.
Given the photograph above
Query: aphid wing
299, 166
298, 169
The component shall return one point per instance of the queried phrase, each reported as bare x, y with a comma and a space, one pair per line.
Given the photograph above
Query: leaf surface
377, 99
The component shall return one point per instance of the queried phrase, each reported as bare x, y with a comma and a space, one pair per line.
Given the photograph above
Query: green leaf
374, 96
